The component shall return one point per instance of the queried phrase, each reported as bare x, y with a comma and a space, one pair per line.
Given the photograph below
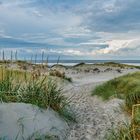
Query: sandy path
94, 116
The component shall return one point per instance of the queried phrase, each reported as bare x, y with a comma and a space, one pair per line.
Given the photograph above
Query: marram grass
127, 131
128, 88
18, 86
125, 87
122, 132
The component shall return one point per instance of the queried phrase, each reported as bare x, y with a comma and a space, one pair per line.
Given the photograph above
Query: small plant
60, 74
57, 73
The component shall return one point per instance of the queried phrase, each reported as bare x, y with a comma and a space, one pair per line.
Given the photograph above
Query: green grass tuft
126, 87
105, 91
123, 132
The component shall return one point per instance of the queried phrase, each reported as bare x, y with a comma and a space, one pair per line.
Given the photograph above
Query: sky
73, 29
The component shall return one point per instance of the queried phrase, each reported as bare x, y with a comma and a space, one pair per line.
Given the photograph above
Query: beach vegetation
20, 86
128, 88
60, 74
125, 87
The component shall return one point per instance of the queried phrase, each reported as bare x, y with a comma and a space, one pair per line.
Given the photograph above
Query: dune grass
122, 132
125, 87
16, 74
136, 121
126, 131
128, 88
19, 86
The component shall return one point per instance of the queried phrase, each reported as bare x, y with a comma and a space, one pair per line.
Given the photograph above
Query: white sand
95, 116
24, 121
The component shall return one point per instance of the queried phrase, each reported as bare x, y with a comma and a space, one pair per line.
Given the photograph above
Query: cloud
114, 15
114, 46
32, 19
92, 28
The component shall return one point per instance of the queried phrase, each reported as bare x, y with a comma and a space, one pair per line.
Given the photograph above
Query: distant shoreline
73, 64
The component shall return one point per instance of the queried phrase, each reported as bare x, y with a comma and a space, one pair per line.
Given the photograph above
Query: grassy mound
126, 87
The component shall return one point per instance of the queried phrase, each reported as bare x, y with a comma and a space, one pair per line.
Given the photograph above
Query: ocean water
74, 62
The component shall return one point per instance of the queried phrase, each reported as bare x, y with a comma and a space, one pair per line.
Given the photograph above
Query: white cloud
116, 45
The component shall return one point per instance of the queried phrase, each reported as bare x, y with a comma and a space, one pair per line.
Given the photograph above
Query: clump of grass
126, 87
60, 74
44, 94
127, 131
123, 132
136, 121
105, 91
41, 92
57, 73
132, 99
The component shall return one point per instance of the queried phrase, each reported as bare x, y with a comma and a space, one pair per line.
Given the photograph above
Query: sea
74, 62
